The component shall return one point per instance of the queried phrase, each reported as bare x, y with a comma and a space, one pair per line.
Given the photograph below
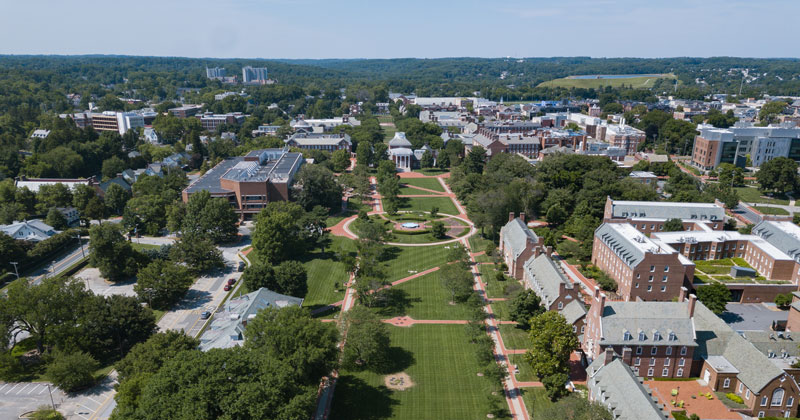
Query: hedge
735, 398
410, 232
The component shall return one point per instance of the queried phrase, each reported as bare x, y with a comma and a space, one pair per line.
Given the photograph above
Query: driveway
100, 286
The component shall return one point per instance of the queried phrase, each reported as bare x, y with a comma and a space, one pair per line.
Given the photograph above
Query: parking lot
95, 282
17, 398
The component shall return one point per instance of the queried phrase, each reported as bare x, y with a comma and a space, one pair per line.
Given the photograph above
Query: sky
402, 28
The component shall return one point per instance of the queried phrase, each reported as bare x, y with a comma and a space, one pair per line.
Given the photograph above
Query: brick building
555, 289
326, 142
649, 216
518, 244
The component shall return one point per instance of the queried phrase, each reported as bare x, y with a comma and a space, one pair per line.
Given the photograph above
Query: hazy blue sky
401, 28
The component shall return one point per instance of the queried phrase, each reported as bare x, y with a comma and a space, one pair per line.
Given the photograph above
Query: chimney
692, 301
522, 217
602, 304
510, 216
682, 296
609, 356
596, 292
549, 250
626, 355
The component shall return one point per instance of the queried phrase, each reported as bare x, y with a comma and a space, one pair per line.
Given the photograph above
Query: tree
673, 225
457, 280
715, 296
575, 407
427, 159
56, 219
438, 230
71, 371
730, 175
115, 199
291, 279
316, 185
198, 253
475, 160
257, 275
368, 339
95, 209
279, 234
81, 196
291, 335
113, 166
551, 344
207, 217
148, 356
46, 413
783, 300
111, 253
109, 326
340, 160
161, 283
556, 215
524, 307
779, 174
363, 153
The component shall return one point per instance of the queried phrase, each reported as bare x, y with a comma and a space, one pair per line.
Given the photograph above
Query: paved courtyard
700, 405
752, 316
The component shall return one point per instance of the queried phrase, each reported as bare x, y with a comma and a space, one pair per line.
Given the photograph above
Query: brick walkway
405, 321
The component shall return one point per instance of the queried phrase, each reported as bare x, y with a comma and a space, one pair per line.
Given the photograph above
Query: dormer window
641, 336
657, 336
673, 337
626, 336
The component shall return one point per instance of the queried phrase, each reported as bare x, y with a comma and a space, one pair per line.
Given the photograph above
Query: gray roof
783, 235
119, 180
616, 387
573, 311
399, 140
516, 235
620, 244
667, 210
665, 318
276, 165
716, 338
227, 326
313, 139
546, 278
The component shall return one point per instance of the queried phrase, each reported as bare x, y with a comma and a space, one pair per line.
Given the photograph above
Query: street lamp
15, 269
78, 237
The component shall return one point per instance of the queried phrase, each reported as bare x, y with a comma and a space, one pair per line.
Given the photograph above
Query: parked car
205, 315
231, 282
241, 266
227, 287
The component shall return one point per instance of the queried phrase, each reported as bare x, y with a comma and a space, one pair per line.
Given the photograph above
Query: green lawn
478, 244
502, 311
414, 191
525, 372
445, 204
403, 259
535, 401
513, 337
429, 183
420, 238
636, 82
441, 364
142, 247
423, 298
753, 195
388, 132
494, 288
323, 271
772, 210
385, 119
430, 171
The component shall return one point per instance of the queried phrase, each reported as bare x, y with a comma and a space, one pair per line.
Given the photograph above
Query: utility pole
15, 269
80, 244
51, 397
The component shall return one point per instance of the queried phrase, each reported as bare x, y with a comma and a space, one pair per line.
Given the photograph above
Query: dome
399, 140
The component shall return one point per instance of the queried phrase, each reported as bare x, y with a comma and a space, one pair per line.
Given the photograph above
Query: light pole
15, 269
80, 244
51, 397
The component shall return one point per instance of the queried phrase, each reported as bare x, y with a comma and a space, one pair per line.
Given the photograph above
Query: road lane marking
97, 412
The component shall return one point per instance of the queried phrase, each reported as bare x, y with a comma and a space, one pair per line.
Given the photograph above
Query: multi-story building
250, 182
649, 216
645, 178
518, 244
685, 339
120, 122
254, 74
643, 268
186, 111
217, 73
732, 145
625, 137
613, 384
326, 142
211, 121
555, 289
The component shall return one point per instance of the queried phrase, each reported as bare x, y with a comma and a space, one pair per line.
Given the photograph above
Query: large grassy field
324, 271
535, 400
413, 191
636, 82
429, 183
445, 204
403, 259
514, 338
525, 371
423, 298
753, 195
440, 361
772, 210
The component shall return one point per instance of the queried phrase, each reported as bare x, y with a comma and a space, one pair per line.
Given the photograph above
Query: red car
231, 282
227, 287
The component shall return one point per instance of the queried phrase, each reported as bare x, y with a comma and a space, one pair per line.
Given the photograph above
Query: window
626, 336
652, 361
764, 400
657, 336
777, 397
560, 305
636, 371
665, 372
642, 336
653, 351
663, 288
652, 268
666, 361
727, 383
638, 361
741, 386
664, 279
637, 284
582, 326
790, 402
760, 414
672, 337
649, 288
638, 275
747, 395
650, 279
666, 269
639, 350
575, 329
683, 351
650, 372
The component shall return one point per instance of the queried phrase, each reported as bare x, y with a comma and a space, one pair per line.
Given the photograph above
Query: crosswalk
25, 389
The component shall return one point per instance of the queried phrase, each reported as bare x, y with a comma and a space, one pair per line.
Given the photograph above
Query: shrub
72, 371
783, 300
46, 413
735, 398
410, 232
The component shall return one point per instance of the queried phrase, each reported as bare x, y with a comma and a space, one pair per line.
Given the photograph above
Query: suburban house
228, 325
518, 244
557, 292
250, 182
28, 230
612, 384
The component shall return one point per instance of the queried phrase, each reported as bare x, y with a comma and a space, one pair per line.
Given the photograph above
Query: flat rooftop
638, 239
695, 236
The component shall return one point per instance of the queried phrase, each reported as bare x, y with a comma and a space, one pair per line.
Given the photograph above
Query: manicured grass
636, 82
753, 195
444, 204
514, 338
502, 311
403, 259
158, 314
772, 210
525, 372
440, 362
430, 171
385, 119
478, 243
536, 401
423, 298
324, 270
420, 238
494, 288
142, 247
414, 191
388, 132
429, 183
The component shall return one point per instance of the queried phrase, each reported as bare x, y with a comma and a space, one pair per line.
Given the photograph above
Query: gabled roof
614, 386
782, 235
119, 180
516, 236
546, 278
647, 318
573, 311
30, 230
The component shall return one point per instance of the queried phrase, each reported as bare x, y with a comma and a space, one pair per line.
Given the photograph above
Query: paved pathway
406, 321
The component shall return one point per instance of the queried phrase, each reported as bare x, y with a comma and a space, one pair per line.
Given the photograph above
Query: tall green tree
115, 199
110, 252
551, 344
316, 185
779, 174
715, 296
161, 283
457, 280
211, 218
368, 341
280, 232
524, 307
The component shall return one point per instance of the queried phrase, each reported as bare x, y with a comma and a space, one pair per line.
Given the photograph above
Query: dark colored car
205, 315
241, 266
227, 287
231, 282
